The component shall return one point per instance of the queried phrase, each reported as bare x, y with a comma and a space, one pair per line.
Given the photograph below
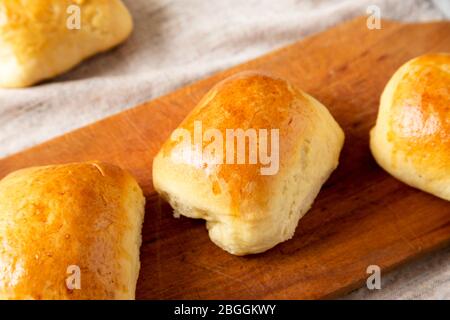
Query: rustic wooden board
361, 217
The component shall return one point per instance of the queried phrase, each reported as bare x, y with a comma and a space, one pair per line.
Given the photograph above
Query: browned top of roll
250, 100
420, 111
57, 216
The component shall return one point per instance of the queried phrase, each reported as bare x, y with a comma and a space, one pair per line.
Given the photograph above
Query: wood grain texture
362, 216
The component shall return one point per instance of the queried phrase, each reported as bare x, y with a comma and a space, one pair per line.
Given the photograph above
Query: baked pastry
40, 39
250, 204
61, 222
411, 138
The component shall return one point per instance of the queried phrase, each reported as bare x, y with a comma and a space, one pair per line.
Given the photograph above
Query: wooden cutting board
361, 217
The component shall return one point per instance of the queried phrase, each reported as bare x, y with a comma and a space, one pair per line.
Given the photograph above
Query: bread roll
411, 138
250, 207
39, 39
61, 222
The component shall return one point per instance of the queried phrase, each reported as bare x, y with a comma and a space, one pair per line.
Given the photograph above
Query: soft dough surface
36, 44
247, 212
83, 214
411, 139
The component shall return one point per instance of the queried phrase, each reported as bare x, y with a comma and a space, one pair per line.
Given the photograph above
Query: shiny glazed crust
411, 139
87, 215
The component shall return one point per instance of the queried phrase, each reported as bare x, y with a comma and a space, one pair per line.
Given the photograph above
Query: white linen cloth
177, 42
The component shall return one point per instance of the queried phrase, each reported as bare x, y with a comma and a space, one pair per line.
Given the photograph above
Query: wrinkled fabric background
177, 42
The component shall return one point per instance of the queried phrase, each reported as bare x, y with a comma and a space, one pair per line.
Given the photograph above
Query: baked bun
39, 39
61, 222
411, 139
249, 207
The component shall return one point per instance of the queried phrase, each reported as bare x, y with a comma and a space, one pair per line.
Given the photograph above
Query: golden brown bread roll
39, 39
411, 139
58, 220
250, 207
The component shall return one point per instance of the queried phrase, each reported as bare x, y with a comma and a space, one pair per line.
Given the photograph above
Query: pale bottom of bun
398, 165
